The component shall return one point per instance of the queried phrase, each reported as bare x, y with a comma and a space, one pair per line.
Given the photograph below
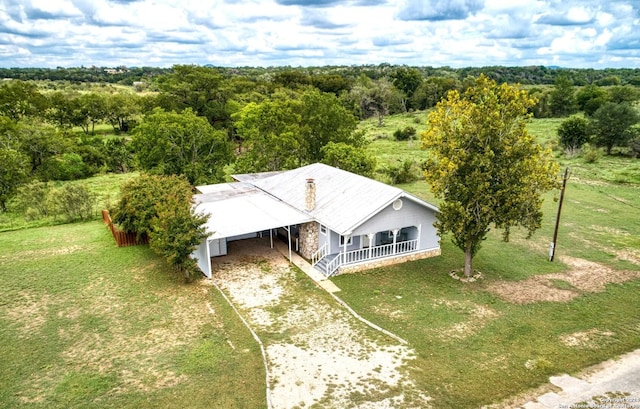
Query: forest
208, 122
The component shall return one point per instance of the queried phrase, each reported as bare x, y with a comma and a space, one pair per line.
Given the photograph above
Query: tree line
527, 75
203, 121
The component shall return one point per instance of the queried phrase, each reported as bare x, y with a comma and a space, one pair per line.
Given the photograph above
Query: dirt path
317, 352
582, 277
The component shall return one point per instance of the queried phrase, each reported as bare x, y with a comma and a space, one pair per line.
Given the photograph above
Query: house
339, 221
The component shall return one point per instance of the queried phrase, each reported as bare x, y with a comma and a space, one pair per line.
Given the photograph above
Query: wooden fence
122, 238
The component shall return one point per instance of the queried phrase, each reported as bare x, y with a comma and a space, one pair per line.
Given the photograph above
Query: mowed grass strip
86, 324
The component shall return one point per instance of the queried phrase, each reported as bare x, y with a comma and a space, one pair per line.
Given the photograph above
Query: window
397, 204
323, 229
349, 241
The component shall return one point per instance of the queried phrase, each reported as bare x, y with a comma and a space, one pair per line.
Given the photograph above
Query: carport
238, 211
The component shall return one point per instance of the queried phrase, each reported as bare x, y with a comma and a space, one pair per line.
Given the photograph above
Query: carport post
289, 236
271, 237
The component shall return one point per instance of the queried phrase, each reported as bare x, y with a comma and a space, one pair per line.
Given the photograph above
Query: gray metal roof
344, 200
240, 208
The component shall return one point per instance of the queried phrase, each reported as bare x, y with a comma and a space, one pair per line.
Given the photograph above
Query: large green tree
183, 143
324, 120
611, 124
591, 97
271, 134
121, 109
484, 165
14, 170
290, 129
349, 158
202, 89
160, 207
562, 100
573, 133
19, 99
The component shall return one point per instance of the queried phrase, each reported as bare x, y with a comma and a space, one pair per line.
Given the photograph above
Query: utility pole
552, 246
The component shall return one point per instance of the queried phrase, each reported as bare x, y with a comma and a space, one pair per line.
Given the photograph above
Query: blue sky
455, 33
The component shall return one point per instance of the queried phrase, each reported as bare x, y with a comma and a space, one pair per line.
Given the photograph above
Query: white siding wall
200, 254
411, 214
218, 247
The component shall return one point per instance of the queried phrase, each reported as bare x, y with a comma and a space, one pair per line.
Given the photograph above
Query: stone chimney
310, 195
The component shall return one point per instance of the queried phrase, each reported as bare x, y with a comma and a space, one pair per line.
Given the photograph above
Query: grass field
477, 347
85, 324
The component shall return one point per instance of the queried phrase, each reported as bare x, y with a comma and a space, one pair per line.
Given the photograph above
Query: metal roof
240, 208
344, 200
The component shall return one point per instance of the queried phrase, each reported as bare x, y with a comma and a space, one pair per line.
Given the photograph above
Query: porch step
322, 265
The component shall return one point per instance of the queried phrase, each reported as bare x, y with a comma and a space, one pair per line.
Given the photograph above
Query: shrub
573, 133
405, 134
634, 145
68, 166
119, 157
404, 172
591, 154
74, 201
33, 200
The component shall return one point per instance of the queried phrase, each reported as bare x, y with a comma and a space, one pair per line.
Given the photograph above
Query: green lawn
475, 347
86, 324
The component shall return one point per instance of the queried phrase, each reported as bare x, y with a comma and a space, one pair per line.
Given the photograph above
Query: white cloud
320, 32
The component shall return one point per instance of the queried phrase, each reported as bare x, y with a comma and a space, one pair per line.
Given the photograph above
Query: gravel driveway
317, 353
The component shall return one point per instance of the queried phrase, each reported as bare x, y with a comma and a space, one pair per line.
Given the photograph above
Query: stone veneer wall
308, 239
388, 261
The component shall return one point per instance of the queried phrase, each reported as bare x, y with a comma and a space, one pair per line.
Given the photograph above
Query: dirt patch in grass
479, 316
583, 275
318, 354
591, 339
47, 252
28, 312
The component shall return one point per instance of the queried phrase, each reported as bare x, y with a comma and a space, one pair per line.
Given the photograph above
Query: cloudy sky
456, 33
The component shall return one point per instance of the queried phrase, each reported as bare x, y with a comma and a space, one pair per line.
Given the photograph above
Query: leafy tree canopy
573, 132
611, 124
13, 172
349, 158
173, 143
160, 207
202, 89
290, 130
484, 164
562, 100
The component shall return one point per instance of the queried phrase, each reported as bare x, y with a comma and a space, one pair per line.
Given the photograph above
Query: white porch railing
319, 254
370, 253
356, 256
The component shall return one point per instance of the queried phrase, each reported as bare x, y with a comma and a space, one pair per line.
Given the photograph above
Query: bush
405, 134
33, 200
634, 145
404, 172
119, 157
591, 154
75, 202
573, 133
68, 166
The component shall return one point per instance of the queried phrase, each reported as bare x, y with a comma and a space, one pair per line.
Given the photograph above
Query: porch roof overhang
239, 208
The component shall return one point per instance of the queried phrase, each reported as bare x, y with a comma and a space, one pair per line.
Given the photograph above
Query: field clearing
86, 324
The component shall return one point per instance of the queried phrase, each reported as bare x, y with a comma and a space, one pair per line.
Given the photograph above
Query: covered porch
374, 246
